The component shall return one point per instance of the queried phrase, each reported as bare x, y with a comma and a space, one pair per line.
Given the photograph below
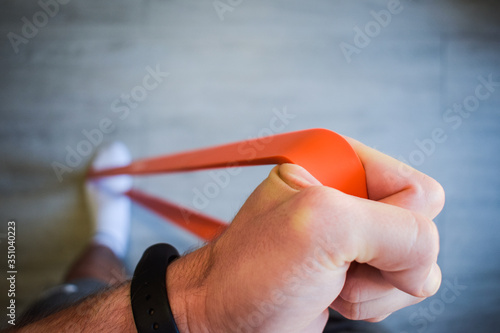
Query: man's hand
297, 247
294, 249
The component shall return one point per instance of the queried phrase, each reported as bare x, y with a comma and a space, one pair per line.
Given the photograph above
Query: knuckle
313, 194
303, 212
309, 203
319, 206
436, 195
313, 212
426, 239
433, 192
321, 199
429, 192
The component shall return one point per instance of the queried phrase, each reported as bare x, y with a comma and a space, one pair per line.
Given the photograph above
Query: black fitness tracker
148, 291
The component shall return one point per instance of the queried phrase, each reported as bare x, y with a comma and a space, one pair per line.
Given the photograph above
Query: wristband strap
148, 291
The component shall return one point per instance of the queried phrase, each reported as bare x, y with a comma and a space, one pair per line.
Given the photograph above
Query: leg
110, 212
97, 262
100, 264
97, 268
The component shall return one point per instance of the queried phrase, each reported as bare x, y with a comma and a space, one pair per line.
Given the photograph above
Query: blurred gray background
230, 68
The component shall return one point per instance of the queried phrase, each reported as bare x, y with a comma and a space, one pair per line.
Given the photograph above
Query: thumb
296, 176
283, 182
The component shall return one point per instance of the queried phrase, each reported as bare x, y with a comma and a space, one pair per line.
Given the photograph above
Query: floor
80, 72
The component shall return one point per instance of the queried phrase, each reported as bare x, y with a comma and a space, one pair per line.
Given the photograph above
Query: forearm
109, 311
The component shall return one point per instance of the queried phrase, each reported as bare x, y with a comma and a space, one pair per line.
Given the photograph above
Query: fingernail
296, 176
433, 281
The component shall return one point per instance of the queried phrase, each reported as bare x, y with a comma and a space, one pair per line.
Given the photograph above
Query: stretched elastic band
325, 154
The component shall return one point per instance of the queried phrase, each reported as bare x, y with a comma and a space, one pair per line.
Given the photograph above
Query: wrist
186, 289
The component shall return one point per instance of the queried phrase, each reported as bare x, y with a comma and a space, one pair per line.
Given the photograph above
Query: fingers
395, 183
364, 283
395, 235
402, 244
367, 295
375, 309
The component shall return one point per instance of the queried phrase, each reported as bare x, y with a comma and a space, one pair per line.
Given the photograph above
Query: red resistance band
325, 154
